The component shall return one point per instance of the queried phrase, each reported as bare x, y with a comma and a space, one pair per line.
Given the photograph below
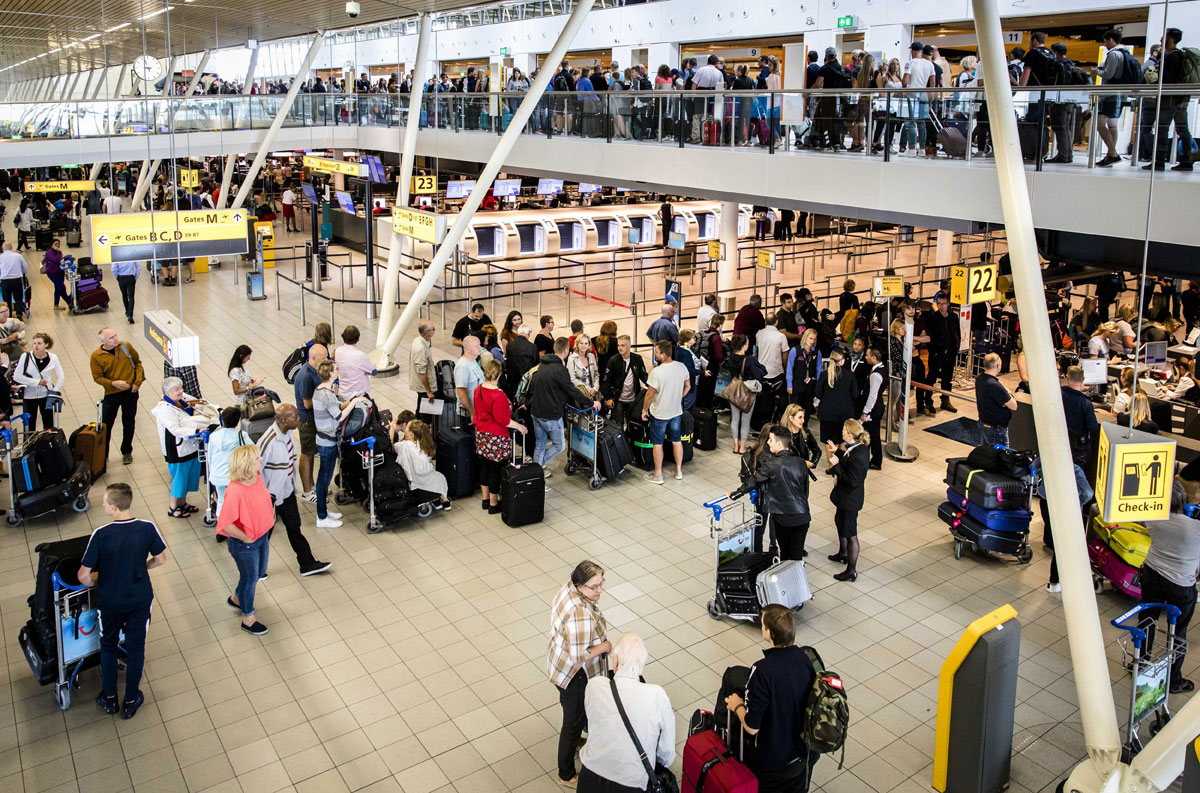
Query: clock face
147, 68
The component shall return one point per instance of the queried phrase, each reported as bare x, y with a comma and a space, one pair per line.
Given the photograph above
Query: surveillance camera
353, 9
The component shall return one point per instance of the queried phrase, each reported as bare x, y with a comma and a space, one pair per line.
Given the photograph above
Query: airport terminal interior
398, 170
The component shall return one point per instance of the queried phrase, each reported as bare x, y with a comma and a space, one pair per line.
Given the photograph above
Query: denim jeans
328, 457
251, 560
993, 435
549, 435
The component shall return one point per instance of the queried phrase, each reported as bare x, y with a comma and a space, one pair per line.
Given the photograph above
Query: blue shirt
663, 328
118, 552
126, 268
307, 381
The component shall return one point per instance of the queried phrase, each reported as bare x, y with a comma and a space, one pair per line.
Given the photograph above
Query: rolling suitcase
980, 536
43, 239
74, 239
254, 286
613, 451
998, 519
1124, 577
89, 444
784, 583
984, 489
522, 491
712, 132
952, 140
456, 461
85, 269
687, 429
444, 371
88, 298
764, 131
709, 767
1130, 541
642, 451
54, 495
704, 435
37, 638
739, 575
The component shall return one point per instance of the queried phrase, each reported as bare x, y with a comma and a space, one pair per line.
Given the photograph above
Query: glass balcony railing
1058, 126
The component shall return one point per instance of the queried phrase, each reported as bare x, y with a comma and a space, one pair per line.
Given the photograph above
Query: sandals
183, 511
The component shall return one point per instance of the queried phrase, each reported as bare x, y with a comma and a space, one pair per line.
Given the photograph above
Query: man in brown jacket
117, 368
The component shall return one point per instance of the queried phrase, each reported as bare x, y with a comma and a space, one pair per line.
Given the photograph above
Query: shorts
1109, 106
185, 477
308, 437
664, 430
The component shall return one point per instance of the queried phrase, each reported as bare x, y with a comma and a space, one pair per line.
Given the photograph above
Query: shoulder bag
258, 405
661, 778
738, 394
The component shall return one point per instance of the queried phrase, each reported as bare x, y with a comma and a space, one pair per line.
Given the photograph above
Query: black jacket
945, 333
753, 371
861, 371
850, 478
807, 315
781, 480
807, 447
519, 357
552, 390
839, 402
614, 375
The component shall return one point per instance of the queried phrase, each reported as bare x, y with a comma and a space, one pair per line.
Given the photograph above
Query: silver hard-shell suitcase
784, 583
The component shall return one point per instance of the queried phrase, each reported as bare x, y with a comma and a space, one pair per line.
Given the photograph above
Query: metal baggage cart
15, 516
731, 526
1024, 553
1150, 672
77, 636
209, 518
583, 433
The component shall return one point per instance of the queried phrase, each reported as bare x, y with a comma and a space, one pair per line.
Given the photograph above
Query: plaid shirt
189, 376
575, 625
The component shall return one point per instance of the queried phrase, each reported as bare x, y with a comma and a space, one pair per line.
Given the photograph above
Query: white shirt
289, 197
26, 373
704, 317
609, 751
772, 347
918, 71
112, 205
12, 265
667, 381
1098, 347
708, 76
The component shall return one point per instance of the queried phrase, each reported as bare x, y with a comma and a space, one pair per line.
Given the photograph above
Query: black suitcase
704, 436
739, 575
53, 496
987, 490
444, 377
641, 450
37, 637
44, 459
687, 429
43, 239
739, 605
85, 269
613, 450
42, 658
456, 461
522, 492
978, 534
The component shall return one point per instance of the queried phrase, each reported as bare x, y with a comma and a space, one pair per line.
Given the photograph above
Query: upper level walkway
720, 145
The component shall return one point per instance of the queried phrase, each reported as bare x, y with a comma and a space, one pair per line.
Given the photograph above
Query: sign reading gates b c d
1133, 475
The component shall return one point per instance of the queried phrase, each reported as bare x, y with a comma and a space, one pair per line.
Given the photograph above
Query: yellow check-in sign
716, 251
888, 286
766, 260
66, 186
189, 177
168, 235
1133, 476
335, 166
976, 283
418, 224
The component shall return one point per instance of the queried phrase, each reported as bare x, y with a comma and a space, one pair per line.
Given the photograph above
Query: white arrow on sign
102, 239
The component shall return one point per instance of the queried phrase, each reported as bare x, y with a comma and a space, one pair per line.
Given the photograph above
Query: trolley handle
56, 579
202, 435
717, 509
574, 409
369, 440
1137, 633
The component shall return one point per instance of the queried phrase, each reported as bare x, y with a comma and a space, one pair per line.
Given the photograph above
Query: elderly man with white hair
611, 761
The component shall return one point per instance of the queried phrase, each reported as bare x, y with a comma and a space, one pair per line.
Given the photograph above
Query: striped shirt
576, 624
278, 462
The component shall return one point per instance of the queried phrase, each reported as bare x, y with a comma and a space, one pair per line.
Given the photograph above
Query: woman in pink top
246, 518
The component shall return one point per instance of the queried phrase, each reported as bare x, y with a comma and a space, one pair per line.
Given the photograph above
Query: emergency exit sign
846, 21
504, 50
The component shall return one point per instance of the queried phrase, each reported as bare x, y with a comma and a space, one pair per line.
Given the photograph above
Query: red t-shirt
492, 412
248, 507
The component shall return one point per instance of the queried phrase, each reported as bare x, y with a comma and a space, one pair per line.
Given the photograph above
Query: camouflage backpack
827, 714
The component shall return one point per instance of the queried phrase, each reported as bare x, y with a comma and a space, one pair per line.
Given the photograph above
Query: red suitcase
1124, 577
709, 767
87, 299
764, 131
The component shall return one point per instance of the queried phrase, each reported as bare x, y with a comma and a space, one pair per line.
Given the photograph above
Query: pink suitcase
1106, 564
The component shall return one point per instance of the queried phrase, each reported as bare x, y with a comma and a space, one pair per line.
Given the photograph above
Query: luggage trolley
1150, 675
74, 490
731, 526
582, 436
1023, 553
209, 518
369, 462
77, 636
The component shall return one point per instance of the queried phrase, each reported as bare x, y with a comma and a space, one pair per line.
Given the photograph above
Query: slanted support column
401, 244
191, 88
264, 148
231, 158
1093, 686
509, 139
146, 175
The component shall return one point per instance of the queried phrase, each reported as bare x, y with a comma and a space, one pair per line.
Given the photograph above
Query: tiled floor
416, 664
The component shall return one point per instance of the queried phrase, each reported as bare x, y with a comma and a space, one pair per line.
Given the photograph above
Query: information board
1133, 475
676, 240
716, 251
167, 235
425, 226
766, 260
424, 184
335, 166
888, 286
65, 186
974, 283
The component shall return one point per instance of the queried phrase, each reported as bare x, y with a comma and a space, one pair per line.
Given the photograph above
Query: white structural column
70, 92
455, 233
146, 176
87, 86
231, 158
1088, 659
191, 89
408, 154
110, 115
264, 148
727, 270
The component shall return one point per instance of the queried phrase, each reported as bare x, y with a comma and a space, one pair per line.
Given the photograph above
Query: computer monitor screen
375, 168
549, 186
346, 201
309, 193
584, 187
1095, 371
379, 203
1155, 353
459, 189
505, 188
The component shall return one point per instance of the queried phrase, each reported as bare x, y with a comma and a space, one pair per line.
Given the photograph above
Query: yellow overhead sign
189, 177
1133, 478
418, 224
974, 283
168, 235
424, 184
60, 187
716, 251
766, 260
888, 286
335, 166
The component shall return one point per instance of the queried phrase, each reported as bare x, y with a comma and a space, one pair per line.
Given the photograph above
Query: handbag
661, 778
492, 447
258, 405
738, 394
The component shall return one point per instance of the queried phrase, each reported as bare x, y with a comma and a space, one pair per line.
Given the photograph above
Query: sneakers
949, 408
315, 567
126, 459
652, 479
130, 707
1108, 162
1054, 588
258, 629
329, 513
546, 473
310, 496
109, 703
328, 523
678, 475
1182, 686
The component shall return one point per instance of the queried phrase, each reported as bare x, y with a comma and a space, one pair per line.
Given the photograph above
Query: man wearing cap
919, 73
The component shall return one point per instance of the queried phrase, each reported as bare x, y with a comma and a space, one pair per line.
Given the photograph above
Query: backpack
705, 349
560, 83
521, 395
839, 79
1076, 75
1191, 65
444, 375
357, 417
295, 362
1132, 73
847, 325
1044, 67
827, 713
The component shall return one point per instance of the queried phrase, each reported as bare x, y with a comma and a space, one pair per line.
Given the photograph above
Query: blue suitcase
968, 530
1011, 520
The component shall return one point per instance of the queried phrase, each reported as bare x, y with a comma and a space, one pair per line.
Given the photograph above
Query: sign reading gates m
425, 226
167, 235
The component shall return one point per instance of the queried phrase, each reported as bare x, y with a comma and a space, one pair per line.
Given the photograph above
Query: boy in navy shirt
117, 553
